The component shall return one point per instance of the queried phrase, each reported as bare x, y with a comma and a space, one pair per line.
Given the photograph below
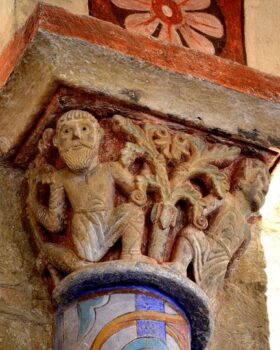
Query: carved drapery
150, 207
141, 192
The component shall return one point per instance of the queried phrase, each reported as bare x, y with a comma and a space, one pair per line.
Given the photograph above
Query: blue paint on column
86, 313
150, 328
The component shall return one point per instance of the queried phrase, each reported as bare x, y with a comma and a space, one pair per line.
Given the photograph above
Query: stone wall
271, 244
25, 306
241, 314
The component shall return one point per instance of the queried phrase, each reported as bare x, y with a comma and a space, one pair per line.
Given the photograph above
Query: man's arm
122, 177
52, 217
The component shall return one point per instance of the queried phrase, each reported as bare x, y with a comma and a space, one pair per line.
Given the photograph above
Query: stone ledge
101, 58
188, 62
54, 60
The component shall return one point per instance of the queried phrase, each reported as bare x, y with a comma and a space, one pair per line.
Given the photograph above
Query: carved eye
84, 128
65, 131
162, 133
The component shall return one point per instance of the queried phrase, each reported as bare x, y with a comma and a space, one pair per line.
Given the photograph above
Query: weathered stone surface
190, 62
25, 320
271, 244
54, 60
170, 93
241, 320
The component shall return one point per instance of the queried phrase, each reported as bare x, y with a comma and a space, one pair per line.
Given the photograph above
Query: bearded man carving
89, 186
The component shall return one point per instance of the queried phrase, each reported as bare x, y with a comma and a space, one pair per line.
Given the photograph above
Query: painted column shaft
122, 319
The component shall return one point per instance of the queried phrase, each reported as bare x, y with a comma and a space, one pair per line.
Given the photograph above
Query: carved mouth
74, 147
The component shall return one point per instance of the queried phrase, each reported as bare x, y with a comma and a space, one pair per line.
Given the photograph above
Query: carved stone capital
124, 202
144, 168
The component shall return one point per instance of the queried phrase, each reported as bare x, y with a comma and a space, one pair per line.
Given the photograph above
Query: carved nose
76, 134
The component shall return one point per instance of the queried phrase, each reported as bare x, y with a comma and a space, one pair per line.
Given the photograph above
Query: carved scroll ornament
185, 202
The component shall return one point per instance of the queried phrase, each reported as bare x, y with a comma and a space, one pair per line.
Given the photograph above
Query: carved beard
79, 159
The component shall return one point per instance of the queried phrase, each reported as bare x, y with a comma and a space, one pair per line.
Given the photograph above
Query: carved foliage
182, 181
213, 252
161, 148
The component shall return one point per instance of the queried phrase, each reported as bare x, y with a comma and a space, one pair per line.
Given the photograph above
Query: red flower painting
178, 22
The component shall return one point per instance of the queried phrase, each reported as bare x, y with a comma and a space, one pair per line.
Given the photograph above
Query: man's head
78, 136
252, 178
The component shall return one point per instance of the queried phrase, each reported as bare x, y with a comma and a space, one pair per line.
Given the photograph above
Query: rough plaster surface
14, 14
7, 25
25, 321
262, 28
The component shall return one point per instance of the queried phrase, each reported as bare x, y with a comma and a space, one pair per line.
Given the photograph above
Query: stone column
130, 306
143, 174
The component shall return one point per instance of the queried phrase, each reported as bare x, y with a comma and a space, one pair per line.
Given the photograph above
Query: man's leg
88, 234
127, 221
182, 250
133, 233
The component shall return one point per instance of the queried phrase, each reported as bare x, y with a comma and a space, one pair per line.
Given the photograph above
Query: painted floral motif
180, 21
